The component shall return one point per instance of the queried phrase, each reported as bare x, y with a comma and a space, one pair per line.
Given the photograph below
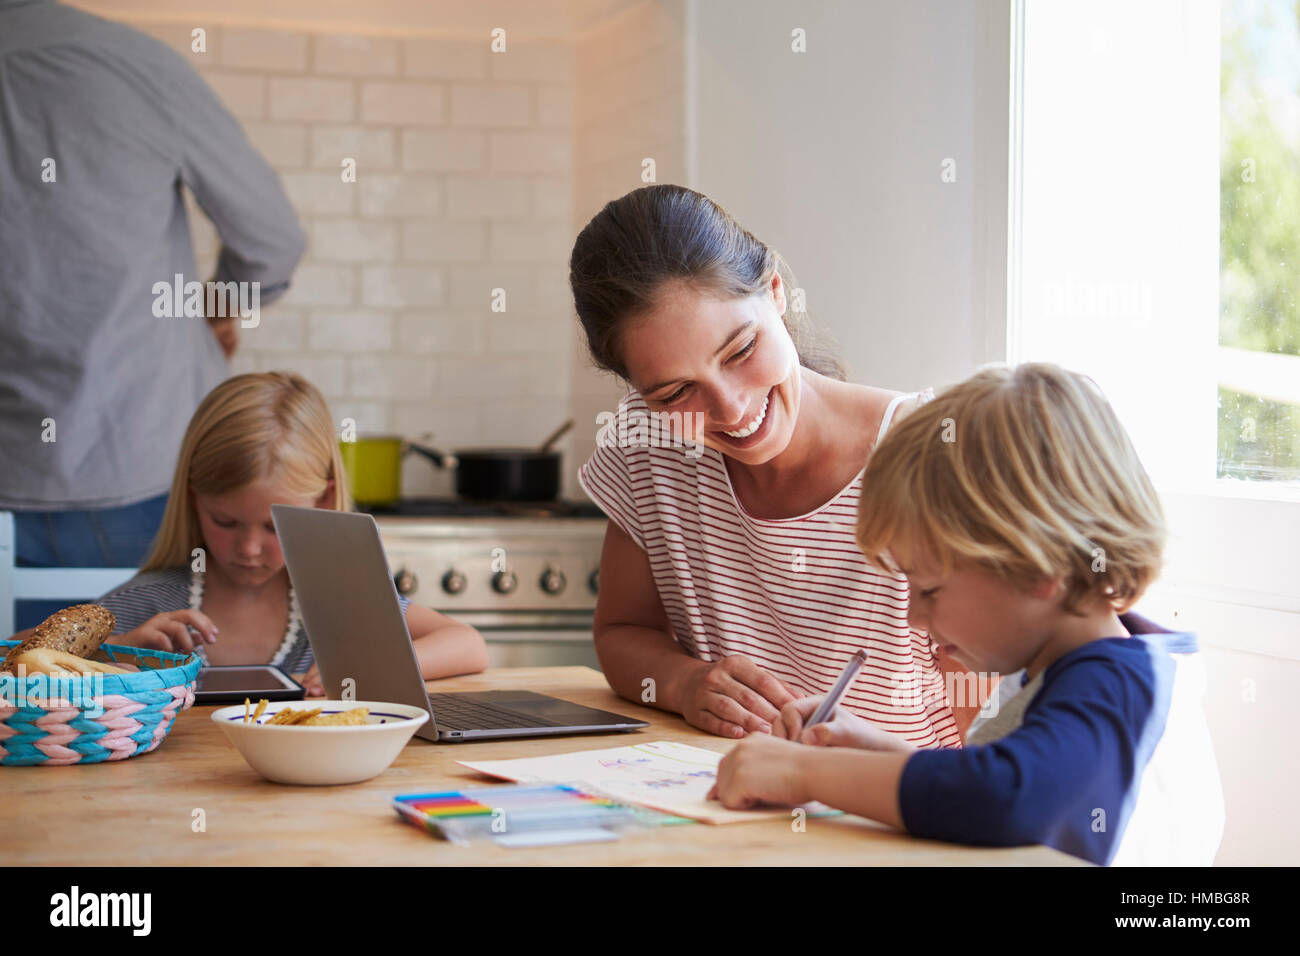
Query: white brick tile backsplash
474, 171
326, 372
274, 50
530, 152
279, 330
444, 150
386, 377
552, 294
283, 144
356, 56
425, 333
180, 37
555, 106
496, 105
480, 377
440, 240
401, 286
354, 330
488, 197
445, 59
374, 148
449, 424
244, 94
471, 287
531, 242
371, 418
244, 362
526, 421
531, 333
553, 199
400, 195
540, 62
311, 99
418, 104
321, 193
353, 240
321, 284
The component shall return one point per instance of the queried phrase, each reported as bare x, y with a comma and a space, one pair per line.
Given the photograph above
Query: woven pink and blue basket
127, 715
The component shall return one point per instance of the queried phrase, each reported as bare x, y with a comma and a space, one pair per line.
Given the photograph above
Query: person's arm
261, 239
644, 663
443, 646
767, 770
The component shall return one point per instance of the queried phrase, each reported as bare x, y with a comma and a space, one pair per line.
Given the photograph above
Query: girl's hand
733, 697
844, 729
312, 683
762, 769
170, 631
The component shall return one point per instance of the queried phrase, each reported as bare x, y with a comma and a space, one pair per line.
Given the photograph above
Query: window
1140, 256
1259, 274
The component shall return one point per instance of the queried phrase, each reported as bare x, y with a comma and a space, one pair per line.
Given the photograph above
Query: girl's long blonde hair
263, 426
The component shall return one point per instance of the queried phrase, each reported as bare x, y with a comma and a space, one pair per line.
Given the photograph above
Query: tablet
230, 685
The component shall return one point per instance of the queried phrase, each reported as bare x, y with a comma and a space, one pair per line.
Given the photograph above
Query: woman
730, 582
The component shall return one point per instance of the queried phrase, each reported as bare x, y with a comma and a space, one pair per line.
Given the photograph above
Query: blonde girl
215, 582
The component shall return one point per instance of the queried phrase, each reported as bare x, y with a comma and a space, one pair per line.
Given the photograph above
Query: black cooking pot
503, 474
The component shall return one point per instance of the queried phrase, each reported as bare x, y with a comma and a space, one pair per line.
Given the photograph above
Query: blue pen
828, 703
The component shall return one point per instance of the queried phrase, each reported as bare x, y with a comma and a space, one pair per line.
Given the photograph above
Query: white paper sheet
663, 775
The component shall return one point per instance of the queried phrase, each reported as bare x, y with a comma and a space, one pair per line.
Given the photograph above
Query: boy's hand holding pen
844, 729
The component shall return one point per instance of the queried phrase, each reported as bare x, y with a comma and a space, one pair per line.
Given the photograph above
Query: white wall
834, 157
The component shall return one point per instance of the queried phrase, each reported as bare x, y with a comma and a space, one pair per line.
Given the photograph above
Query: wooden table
140, 811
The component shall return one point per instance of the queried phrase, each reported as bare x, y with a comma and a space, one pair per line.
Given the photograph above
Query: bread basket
48, 721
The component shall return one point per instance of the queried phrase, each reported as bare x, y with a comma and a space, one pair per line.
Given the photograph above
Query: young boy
1026, 526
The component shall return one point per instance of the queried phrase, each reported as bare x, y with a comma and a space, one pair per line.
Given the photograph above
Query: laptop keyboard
459, 713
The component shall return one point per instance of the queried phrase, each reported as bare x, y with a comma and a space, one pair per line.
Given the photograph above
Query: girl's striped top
795, 595
156, 592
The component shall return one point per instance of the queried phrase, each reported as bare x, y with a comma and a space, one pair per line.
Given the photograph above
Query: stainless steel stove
524, 574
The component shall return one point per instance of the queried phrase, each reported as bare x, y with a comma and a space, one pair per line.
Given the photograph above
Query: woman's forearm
644, 665
446, 651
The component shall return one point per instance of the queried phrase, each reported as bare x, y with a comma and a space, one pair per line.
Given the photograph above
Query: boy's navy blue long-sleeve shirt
1112, 762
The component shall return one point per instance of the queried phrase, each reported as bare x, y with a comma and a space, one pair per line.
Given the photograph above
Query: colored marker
827, 706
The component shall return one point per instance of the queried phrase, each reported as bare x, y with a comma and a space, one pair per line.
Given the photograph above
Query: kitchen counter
141, 811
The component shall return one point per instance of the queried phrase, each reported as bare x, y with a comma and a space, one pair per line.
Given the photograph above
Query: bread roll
76, 630
47, 660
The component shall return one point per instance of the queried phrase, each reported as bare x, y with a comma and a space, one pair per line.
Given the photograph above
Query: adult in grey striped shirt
102, 127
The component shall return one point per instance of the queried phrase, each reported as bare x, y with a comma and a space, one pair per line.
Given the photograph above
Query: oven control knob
593, 582
405, 582
552, 581
453, 582
504, 582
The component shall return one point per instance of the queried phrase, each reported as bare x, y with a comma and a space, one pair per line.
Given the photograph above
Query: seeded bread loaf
77, 630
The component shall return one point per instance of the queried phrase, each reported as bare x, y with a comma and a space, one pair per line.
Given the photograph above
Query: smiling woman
730, 579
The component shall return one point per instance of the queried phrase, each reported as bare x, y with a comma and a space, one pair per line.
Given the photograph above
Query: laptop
358, 633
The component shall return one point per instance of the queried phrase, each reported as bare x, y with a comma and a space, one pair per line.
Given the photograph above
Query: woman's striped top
795, 595
157, 592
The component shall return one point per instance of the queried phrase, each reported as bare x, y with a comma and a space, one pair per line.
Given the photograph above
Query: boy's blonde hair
1025, 472
263, 426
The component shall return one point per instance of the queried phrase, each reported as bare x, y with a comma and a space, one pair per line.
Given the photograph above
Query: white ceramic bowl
321, 755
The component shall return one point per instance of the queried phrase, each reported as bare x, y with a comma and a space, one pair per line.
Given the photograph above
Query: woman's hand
733, 697
844, 729
170, 631
311, 682
761, 770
